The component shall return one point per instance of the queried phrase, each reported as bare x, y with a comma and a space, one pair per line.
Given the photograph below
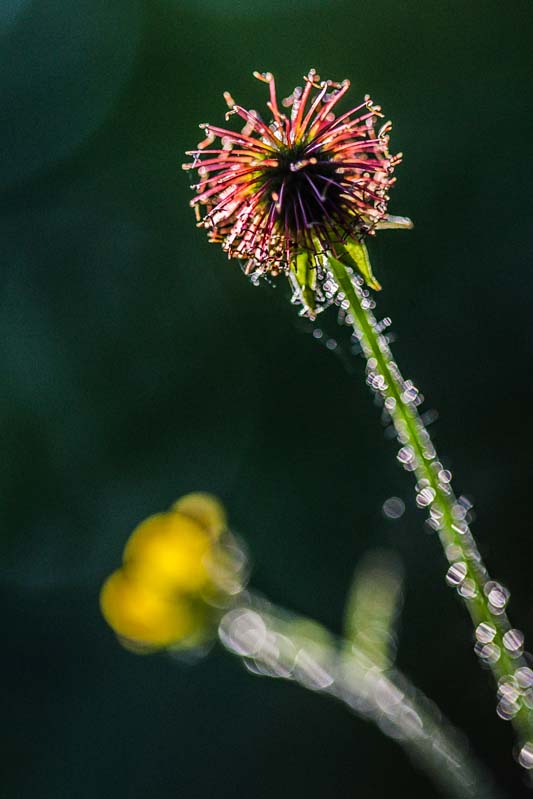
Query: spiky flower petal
285, 195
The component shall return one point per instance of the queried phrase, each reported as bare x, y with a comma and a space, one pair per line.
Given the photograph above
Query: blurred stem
274, 643
498, 645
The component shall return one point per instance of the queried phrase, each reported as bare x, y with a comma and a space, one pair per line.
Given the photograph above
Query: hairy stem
274, 643
497, 644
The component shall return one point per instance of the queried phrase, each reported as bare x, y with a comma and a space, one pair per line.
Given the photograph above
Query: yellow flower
180, 567
138, 613
169, 552
205, 509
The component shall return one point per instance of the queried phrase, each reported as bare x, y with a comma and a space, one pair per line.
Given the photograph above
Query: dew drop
243, 631
465, 502
425, 497
460, 527
456, 573
310, 673
377, 382
393, 508
406, 455
513, 640
524, 677
410, 393
485, 633
453, 552
497, 595
507, 710
489, 653
525, 756
468, 589
436, 513
508, 688
445, 489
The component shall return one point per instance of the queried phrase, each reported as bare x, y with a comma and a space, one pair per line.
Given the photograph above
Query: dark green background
138, 364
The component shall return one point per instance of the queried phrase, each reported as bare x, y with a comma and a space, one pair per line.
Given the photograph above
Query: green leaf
390, 222
372, 606
355, 254
304, 280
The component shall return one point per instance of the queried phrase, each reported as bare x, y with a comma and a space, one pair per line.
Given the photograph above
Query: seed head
285, 195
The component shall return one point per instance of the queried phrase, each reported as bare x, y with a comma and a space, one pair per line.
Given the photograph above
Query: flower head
180, 568
284, 195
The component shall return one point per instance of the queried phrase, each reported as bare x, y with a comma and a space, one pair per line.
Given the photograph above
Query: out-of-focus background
138, 364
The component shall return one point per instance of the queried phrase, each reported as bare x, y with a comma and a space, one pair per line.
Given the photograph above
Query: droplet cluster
274, 643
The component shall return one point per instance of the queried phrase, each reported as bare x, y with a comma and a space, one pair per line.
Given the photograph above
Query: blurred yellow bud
169, 552
139, 614
204, 509
181, 568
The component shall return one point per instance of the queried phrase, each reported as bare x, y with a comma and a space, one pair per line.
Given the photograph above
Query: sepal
353, 253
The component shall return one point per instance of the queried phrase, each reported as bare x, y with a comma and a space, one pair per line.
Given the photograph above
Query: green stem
497, 643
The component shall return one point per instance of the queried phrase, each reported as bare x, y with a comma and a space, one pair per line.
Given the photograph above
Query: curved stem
274, 643
497, 643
